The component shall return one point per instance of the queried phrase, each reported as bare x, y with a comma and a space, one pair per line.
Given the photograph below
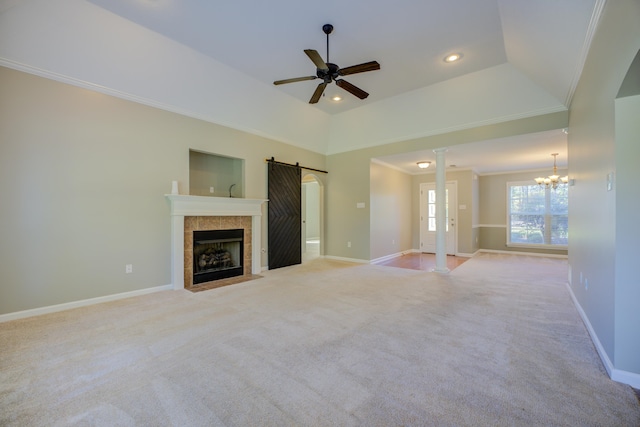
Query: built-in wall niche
224, 175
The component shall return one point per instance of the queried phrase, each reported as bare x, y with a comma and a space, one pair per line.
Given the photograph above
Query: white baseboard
494, 251
82, 303
392, 256
625, 377
465, 255
356, 260
413, 251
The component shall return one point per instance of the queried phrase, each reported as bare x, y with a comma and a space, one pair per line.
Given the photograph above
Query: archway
312, 218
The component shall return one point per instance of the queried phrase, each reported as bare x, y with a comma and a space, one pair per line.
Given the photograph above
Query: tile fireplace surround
212, 213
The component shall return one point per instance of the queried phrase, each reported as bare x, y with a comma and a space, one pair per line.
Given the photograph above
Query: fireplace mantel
186, 205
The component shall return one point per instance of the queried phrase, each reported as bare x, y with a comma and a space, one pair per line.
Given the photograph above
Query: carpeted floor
497, 342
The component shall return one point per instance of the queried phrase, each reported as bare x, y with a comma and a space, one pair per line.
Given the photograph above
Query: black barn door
285, 216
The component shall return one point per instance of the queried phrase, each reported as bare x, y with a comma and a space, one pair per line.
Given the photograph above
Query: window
431, 202
537, 216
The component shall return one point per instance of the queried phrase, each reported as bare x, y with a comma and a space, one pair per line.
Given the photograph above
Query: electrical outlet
211, 190
128, 268
348, 244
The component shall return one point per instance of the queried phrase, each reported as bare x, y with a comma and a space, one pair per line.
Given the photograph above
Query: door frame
308, 177
452, 234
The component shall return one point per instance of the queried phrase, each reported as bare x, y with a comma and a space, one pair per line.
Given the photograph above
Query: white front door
428, 217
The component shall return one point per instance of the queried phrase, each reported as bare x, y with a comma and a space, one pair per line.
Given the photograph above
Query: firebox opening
217, 254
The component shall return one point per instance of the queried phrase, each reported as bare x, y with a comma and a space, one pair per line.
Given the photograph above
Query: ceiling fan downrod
328, 29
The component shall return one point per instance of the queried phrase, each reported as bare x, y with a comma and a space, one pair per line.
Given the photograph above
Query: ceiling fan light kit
330, 72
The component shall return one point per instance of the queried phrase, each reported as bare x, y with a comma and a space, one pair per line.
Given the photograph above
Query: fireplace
200, 213
217, 254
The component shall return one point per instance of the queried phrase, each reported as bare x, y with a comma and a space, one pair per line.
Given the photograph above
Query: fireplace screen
217, 254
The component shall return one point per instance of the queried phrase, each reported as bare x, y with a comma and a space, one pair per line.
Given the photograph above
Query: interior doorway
312, 223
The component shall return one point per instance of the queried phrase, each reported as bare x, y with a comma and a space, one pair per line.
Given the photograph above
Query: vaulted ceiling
217, 60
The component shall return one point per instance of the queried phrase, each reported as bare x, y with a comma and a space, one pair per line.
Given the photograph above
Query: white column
441, 213
177, 251
256, 246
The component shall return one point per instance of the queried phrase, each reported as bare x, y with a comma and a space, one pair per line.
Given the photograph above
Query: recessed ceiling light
336, 98
452, 57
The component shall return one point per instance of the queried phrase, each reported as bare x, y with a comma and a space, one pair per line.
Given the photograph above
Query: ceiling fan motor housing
330, 74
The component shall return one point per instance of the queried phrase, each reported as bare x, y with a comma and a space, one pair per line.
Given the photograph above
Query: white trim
494, 251
339, 258
625, 377
449, 169
591, 30
73, 81
186, 205
81, 303
464, 255
538, 246
453, 231
388, 165
385, 258
392, 256
561, 168
547, 215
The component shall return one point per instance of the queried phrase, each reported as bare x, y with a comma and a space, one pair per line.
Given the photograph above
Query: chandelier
552, 181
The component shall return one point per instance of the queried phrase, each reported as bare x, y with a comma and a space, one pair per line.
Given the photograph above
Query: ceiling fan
329, 72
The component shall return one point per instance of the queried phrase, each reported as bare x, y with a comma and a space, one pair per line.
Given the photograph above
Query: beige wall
83, 177
609, 301
207, 170
627, 319
349, 178
390, 201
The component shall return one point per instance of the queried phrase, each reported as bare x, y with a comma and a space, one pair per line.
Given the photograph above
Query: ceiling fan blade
318, 93
360, 68
354, 90
316, 58
297, 79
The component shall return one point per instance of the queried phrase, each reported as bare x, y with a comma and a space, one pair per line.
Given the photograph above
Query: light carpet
497, 342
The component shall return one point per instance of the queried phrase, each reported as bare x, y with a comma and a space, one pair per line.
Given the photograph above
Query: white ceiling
409, 38
224, 47
266, 39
